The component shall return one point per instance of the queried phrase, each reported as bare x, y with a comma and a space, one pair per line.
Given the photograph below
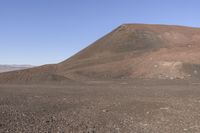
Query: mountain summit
132, 51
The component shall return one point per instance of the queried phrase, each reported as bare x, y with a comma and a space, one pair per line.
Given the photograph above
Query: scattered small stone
185, 129
1, 125
47, 121
195, 72
105, 110
155, 66
145, 125
53, 118
64, 99
166, 108
117, 129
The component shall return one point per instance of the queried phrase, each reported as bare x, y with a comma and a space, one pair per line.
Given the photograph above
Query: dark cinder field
101, 107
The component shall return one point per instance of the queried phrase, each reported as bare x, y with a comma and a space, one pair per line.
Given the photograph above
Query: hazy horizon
44, 32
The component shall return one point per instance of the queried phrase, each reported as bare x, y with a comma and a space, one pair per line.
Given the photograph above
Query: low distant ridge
7, 68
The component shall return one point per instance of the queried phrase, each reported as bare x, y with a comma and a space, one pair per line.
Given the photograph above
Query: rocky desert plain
139, 78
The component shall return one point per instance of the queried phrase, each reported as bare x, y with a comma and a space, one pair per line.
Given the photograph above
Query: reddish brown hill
139, 51
130, 51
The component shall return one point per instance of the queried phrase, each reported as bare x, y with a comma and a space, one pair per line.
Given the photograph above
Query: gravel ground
112, 107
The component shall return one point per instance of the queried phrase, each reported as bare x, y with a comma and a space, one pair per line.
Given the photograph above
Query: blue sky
48, 31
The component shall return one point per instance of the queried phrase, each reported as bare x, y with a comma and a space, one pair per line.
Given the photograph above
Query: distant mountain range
7, 68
